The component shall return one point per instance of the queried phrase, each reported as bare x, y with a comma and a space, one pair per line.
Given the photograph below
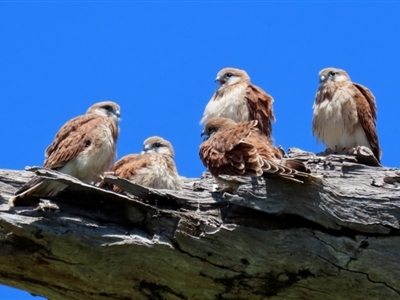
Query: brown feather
238, 99
238, 149
70, 140
344, 113
84, 147
259, 104
126, 168
366, 112
155, 167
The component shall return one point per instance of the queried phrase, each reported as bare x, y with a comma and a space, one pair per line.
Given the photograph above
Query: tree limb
333, 237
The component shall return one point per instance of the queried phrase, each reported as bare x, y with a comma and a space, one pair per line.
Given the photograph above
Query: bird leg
329, 151
364, 155
353, 150
46, 205
101, 177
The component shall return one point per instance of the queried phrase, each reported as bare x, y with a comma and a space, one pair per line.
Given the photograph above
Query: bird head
230, 76
332, 75
156, 144
107, 109
214, 125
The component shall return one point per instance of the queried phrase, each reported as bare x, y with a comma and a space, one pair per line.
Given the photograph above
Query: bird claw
353, 150
46, 205
106, 173
329, 151
215, 188
364, 155
101, 177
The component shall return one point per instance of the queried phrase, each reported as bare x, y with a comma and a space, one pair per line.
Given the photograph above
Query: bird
238, 99
84, 147
239, 149
344, 114
154, 167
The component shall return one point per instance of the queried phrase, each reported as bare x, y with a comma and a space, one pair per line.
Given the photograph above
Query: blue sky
158, 61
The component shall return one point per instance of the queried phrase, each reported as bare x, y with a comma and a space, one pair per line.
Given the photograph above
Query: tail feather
28, 194
291, 169
296, 165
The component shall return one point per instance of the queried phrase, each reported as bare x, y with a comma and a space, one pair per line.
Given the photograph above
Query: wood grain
334, 237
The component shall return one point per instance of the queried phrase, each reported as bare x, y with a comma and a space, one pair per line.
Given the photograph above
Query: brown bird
238, 99
84, 147
344, 114
154, 167
238, 149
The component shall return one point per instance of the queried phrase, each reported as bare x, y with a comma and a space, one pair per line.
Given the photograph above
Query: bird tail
28, 194
296, 165
291, 169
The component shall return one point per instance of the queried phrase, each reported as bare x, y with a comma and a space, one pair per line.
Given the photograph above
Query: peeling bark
333, 237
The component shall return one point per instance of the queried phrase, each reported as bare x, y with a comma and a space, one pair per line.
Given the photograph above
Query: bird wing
259, 105
72, 138
366, 112
227, 152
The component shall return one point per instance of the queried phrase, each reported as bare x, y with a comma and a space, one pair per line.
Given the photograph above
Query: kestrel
344, 114
238, 149
84, 147
154, 167
238, 99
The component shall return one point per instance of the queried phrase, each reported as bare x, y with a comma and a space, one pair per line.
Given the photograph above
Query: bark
332, 237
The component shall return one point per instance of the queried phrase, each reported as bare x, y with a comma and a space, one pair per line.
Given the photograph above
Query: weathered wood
333, 237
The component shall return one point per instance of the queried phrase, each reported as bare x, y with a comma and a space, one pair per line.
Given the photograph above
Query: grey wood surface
335, 236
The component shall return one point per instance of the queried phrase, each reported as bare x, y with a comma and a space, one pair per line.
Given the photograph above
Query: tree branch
329, 238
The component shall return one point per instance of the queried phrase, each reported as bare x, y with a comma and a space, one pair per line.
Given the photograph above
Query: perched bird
84, 147
344, 114
154, 167
238, 99
238, 149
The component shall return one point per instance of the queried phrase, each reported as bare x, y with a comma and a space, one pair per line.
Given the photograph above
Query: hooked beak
146, 148
205, 134
117, 115
218, 78
322, 78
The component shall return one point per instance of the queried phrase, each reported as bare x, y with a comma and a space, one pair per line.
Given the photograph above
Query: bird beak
322, 78
205, 134
218, 78
118, 114
146, 148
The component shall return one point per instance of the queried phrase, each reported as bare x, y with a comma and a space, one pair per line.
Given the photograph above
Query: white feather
161, 177
231, 105
94, 160
335, 126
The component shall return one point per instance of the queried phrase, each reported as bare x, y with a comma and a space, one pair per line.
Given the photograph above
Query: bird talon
46, 205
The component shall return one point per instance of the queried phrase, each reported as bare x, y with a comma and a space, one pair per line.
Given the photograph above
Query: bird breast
335, 120
230, 103
97, 158
160, 174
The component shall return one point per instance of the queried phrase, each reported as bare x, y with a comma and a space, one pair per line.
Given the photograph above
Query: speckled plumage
238, 149
84, 147
238, 99
344, 113
154, 167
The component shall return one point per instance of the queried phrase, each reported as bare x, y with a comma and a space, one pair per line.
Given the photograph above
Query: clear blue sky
158, 61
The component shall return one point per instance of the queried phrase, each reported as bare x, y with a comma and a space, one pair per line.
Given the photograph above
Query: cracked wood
333, 238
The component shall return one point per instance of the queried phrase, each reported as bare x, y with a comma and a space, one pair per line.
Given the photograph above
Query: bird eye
332, 73
157, 145
229, 75
107, 107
